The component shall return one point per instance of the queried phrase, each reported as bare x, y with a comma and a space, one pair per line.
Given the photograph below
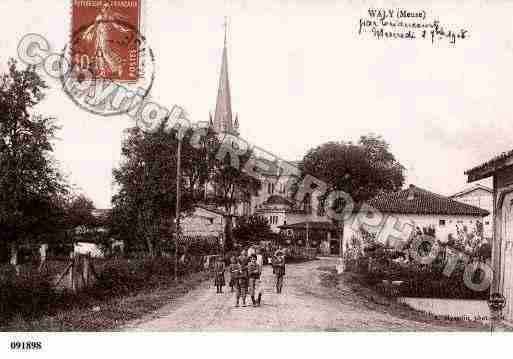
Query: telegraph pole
178, 188
307, 238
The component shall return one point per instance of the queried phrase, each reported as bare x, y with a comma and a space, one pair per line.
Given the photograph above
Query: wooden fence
78, 274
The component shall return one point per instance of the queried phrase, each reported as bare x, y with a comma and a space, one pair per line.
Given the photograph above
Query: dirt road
307, 303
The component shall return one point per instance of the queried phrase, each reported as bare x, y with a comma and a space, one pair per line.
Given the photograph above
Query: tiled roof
277, 200
496, 161
415, 200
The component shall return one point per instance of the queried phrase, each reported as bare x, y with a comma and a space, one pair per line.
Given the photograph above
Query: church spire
223, 114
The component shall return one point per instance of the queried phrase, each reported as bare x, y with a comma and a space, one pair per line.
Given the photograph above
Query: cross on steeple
225, 29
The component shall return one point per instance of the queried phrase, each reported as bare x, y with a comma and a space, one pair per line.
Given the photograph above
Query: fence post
42, 252
71, 276
85, 273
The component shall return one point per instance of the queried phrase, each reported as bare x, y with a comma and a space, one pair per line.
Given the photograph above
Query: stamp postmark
111, 64
105, 38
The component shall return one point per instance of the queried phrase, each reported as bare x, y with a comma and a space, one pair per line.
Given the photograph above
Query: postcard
254, 167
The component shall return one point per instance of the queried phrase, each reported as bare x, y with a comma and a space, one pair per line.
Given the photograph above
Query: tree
199, 161
363, 169
31, 184
252, 229
232, 186
146, 200
144, 206
79, 211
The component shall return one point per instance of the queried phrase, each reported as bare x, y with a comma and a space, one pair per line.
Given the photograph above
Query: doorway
507, 255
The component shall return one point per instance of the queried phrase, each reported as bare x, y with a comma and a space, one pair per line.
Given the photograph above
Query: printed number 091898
26, 345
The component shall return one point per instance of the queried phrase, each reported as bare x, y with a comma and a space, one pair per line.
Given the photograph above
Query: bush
422, 281
26, 296
125, 276
31, 294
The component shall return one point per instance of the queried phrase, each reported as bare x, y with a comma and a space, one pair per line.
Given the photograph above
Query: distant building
482, 197
91, 239
204, 221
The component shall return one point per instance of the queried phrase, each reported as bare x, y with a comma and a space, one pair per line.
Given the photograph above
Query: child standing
254, 274
219, 269
279, 270
243, 278
235, 274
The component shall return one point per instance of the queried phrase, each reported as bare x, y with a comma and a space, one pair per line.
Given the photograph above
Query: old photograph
240, 166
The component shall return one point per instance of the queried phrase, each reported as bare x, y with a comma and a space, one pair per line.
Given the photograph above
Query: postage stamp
111, 64
105, 38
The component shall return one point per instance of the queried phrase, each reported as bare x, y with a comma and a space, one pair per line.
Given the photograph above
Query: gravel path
307, 303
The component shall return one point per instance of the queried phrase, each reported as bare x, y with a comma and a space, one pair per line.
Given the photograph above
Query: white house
205, 221
421, 209
482, 197
500, 168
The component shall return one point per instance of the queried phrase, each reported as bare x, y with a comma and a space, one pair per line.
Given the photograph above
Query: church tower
223, 121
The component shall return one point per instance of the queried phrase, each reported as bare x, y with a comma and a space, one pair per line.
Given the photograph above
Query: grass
108, 314
353, 289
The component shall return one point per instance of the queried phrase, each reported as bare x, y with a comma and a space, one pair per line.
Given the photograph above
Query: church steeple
223, 115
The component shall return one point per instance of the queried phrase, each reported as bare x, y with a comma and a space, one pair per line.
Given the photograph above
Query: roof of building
313, 225
415, 200
213, 209
471, 189
486, 169
278, 200
274, 167
267, 167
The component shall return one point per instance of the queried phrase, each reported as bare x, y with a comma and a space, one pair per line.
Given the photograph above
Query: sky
301, 75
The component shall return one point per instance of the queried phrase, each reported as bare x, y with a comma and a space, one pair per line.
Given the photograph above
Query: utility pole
178, 188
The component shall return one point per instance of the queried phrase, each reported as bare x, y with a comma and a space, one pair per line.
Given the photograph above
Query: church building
304, 222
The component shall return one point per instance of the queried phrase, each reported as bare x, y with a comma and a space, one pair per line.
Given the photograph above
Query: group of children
245, 271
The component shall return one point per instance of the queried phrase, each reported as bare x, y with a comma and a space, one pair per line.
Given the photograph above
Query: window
307, 204
487, 222
441, 223
321, 210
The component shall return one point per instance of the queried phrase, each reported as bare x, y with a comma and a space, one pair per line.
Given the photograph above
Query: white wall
203, 223
482, 199
88, 248
442, 231
275, 218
